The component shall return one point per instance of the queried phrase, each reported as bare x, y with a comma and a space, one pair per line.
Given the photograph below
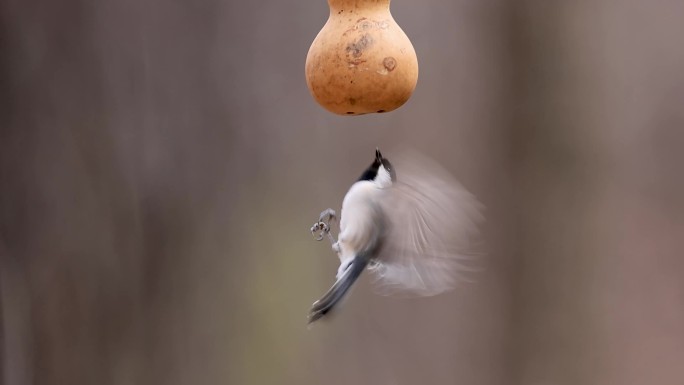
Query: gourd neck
352, 5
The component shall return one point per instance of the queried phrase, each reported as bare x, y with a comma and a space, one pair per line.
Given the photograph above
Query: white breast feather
358, 224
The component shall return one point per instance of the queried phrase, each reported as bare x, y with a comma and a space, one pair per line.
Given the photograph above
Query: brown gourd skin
361, 61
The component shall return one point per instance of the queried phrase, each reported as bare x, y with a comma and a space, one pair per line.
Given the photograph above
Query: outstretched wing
432, 221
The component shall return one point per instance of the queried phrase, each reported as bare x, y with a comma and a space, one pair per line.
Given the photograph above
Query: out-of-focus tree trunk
598, 143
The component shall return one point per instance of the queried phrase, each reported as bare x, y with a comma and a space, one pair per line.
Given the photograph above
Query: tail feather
338, 290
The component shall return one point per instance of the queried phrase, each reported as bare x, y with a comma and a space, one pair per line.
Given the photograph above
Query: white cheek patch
384, 179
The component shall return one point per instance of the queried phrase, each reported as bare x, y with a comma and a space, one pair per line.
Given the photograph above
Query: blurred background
161, 163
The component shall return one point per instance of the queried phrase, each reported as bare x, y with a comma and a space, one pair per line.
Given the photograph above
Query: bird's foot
319, 230
322, 228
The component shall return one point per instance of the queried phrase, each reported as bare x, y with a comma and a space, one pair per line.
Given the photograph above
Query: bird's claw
322, 227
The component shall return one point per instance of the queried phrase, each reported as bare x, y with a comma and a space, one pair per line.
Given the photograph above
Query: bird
414, 228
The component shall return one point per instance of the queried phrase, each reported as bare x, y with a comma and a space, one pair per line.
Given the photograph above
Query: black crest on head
372, 170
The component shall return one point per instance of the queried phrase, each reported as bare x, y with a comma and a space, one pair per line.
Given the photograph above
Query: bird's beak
378, 155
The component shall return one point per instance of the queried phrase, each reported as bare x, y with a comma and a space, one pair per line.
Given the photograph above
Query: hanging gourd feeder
361, 61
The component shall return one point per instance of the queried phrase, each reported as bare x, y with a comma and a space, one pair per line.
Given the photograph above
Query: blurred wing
432, 221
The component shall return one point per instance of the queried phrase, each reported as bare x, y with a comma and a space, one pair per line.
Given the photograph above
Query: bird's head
380, 171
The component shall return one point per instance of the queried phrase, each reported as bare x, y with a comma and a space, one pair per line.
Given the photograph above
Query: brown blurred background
161, 163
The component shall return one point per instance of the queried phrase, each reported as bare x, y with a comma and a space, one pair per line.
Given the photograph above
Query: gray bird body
413, 232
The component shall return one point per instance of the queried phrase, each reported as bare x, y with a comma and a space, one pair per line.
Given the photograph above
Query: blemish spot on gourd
356, 48
389, 63
364, 24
